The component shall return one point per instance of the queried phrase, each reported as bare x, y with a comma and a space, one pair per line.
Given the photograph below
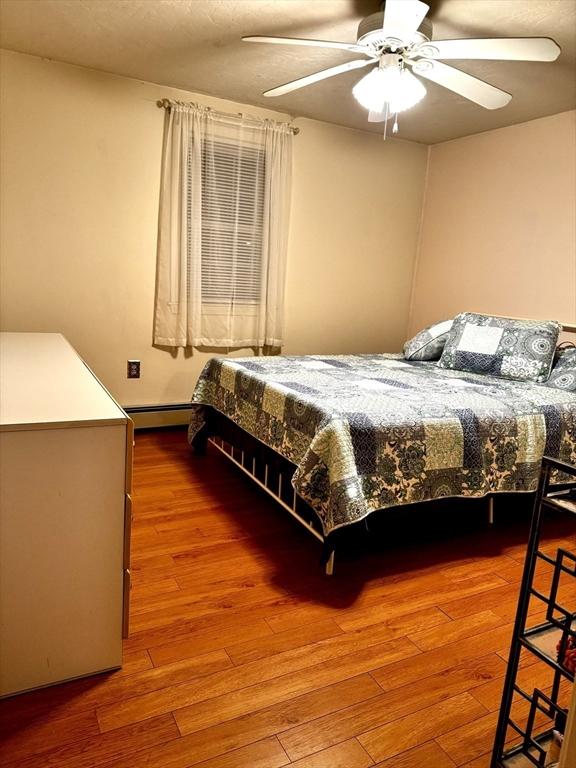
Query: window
232, 222
223, 230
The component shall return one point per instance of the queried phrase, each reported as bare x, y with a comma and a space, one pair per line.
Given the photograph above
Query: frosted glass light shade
390, 84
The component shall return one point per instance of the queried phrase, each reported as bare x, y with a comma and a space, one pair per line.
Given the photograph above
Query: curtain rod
167, 103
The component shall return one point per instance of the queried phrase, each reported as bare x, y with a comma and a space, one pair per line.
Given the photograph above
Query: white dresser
65, 511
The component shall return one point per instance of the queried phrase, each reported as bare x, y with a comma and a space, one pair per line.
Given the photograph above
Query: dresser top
44, 383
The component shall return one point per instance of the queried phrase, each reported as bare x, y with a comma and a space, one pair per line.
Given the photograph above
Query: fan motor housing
370, 32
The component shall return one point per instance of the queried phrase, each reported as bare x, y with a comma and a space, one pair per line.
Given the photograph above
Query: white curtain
223, 229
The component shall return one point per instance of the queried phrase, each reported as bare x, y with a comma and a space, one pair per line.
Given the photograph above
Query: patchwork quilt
368, 432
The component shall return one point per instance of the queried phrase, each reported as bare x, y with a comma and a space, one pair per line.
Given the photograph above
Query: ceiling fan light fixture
400, 40
390, 84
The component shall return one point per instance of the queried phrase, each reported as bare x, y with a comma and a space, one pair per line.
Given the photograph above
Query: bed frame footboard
272, 483
268, 470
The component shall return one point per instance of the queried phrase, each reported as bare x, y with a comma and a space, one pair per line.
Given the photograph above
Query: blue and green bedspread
368, 432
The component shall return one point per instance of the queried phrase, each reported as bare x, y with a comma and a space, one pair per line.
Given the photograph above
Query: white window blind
232, 222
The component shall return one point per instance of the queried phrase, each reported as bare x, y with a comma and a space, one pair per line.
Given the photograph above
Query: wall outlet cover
133, 369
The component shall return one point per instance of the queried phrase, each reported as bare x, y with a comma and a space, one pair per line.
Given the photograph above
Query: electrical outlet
133, 369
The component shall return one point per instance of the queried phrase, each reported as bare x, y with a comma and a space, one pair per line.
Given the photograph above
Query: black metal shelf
517, 757
547, 641
543, 642
566, 504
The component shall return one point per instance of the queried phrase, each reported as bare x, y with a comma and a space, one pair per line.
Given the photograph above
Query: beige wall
499, 226
80, 157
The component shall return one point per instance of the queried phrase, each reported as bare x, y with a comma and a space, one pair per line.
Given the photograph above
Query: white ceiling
195, 45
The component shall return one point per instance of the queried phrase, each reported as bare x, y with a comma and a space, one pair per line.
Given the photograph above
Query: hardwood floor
242, 654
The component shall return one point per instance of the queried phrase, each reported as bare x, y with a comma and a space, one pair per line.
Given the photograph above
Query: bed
370, 432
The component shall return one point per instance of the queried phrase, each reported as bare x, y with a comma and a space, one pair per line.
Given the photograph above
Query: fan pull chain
385, 119
395, 126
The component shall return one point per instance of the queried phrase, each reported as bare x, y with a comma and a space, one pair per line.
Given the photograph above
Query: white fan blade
502, 49
466, 85
403, 17
322, 75
314, 43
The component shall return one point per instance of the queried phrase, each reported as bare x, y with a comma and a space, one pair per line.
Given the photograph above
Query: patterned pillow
429, 343
563, 374
514, 349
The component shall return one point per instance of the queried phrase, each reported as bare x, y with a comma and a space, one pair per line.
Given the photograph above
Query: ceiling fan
398, 40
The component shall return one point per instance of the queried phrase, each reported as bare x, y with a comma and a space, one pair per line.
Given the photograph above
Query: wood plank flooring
242, 654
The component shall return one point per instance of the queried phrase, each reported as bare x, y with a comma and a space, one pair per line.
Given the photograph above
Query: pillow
429, 343
514, 349
563, 374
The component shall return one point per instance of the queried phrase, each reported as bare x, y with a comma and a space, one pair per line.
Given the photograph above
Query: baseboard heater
161, 408
160, 415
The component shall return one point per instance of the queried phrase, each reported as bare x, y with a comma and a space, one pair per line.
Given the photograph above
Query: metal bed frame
267, 469
220, 445
271, 482
270, 471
